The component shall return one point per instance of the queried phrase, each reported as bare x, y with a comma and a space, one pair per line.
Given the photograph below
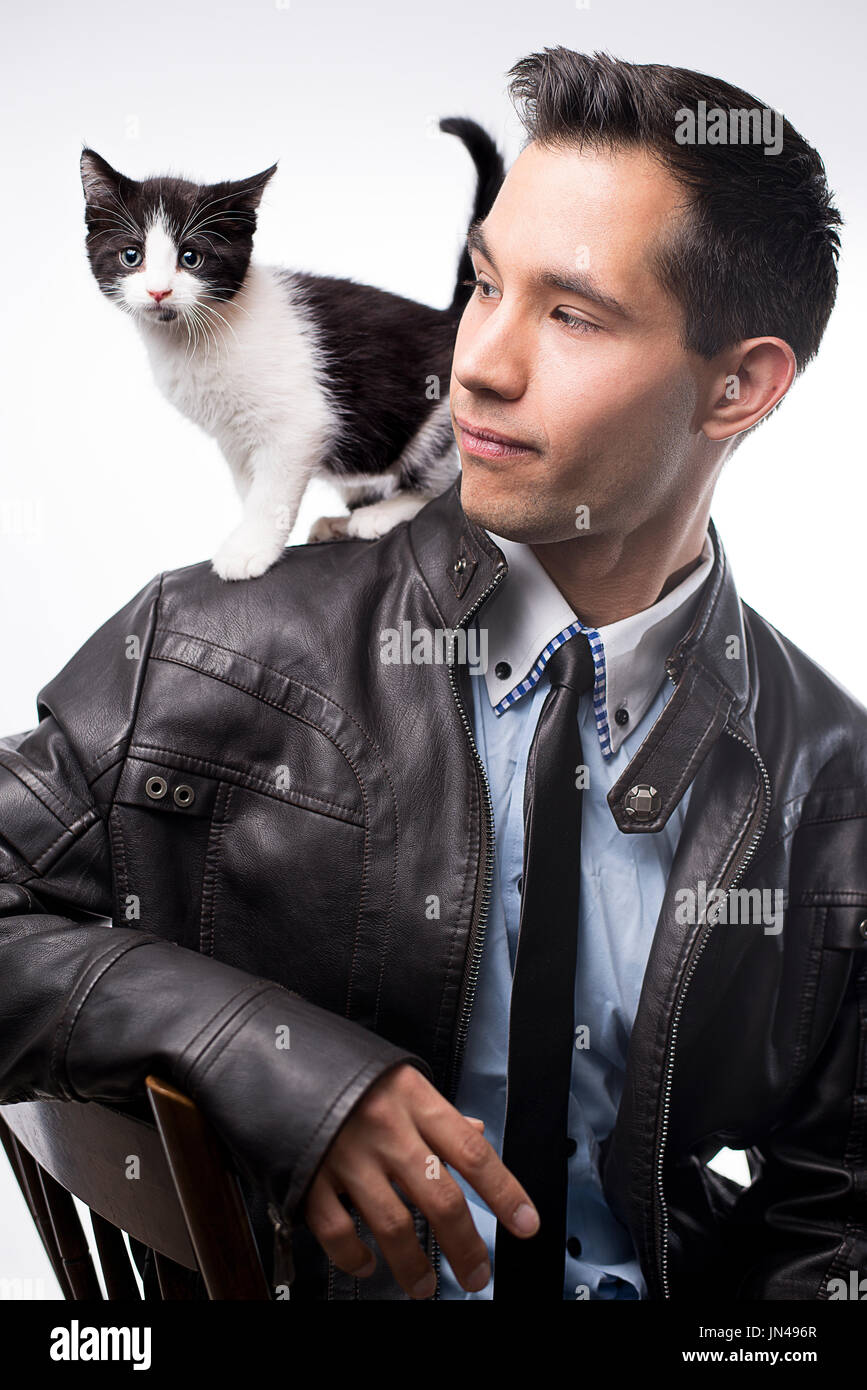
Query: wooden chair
169, 1186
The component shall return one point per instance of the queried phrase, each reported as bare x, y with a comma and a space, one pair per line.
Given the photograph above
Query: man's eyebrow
573, 282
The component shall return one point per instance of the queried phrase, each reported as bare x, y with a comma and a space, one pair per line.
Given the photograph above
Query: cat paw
378, 518
248, 552
328, 528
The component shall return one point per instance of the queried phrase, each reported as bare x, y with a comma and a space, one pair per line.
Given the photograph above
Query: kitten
295, 375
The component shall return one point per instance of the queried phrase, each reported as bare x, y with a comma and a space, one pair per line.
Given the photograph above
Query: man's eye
480, 284
580, 325
572, 321
190, 259
130, 256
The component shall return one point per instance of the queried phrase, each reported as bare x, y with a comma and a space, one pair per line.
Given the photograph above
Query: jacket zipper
479, 925
662, 1130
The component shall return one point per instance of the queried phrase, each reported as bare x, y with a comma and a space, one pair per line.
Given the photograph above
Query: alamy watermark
736, 126
424, 646
759, 907
77, 1343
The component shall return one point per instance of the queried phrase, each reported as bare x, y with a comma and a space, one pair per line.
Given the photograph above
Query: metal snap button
862, 929
184, 795
642, 801
460, 564
156, 787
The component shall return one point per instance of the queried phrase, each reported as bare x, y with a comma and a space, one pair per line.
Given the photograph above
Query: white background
103, 484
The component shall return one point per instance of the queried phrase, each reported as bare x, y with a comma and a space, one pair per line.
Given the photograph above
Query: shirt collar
528, 618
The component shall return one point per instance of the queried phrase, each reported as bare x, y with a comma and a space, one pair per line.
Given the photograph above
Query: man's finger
429, 1186
333, 1227
465, 1148
393, 1228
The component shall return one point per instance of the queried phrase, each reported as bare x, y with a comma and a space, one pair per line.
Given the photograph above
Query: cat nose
159, 294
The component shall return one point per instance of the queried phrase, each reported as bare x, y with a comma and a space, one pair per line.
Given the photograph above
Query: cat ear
97, 176
254, 187
243, 194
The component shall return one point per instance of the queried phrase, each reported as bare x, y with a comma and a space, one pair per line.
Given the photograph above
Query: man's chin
510, 513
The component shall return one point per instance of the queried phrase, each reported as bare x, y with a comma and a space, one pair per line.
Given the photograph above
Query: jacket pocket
160, 827
256, 879
282, 893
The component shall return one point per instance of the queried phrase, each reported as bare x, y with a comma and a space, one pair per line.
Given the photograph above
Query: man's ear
753, 377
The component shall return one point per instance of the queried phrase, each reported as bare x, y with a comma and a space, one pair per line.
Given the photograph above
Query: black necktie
541, 1023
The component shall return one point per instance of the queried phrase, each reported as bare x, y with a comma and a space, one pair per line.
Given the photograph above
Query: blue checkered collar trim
600, 708
629, 655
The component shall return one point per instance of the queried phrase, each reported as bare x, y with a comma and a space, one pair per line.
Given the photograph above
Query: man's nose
489, 357
159, 294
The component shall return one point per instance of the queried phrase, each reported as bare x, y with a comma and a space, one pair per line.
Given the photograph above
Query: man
345, 887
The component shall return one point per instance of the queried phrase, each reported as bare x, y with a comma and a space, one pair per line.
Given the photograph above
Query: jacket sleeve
798, 1231
88, 1009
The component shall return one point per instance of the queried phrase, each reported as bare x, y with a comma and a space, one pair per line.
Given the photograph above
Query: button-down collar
528, 618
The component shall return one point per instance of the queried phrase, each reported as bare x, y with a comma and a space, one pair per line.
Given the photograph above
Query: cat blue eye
131, 256
190, 258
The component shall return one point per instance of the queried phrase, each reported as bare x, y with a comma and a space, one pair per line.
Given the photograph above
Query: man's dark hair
757, 254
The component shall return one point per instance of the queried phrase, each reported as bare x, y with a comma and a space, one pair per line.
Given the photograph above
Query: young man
481, 971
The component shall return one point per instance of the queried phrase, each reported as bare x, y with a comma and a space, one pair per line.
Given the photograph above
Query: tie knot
572, 664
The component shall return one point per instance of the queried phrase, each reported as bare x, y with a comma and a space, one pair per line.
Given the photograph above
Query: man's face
605, 399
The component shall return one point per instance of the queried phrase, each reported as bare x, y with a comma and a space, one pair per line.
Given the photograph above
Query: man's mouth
490, 444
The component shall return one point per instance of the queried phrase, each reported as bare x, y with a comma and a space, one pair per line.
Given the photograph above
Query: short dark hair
758, 254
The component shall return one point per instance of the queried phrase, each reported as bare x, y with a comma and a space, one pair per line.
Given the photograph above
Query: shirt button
622, 716
502, 670
571, 1147
573, 1245
521, 884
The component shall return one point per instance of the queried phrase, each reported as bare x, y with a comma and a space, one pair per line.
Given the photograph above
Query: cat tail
491, 171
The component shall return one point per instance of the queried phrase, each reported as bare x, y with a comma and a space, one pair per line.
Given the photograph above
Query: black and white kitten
295, 375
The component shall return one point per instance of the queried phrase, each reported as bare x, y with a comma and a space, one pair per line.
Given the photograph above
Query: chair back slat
27, 1172
170, 1187
176, 1283
71, 1240
209, 1194
112, 1162
114, 1261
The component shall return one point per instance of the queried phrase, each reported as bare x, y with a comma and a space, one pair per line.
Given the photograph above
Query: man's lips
477, 439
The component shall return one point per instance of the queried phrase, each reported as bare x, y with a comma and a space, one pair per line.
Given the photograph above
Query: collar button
502, 670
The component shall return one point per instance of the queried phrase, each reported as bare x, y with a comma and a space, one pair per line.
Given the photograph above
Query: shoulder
799, 678
805, 717
311, 587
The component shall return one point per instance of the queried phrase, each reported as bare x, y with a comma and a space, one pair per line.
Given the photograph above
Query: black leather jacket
232, 777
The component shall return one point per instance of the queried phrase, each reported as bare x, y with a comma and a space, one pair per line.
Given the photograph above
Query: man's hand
391, 1136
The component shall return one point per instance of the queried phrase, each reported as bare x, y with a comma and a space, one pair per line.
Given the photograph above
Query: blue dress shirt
623, 880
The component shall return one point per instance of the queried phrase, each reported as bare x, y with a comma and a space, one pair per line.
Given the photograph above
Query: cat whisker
192, 334
208, 309
214, 293
124, 224
207, 329
220, 217
111, 230
208, 240
125, 217
199, 330
204, 207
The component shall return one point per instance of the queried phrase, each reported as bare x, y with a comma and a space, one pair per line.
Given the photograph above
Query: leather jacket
231, 818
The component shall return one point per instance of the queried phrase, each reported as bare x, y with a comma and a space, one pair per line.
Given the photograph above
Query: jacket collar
709, 664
